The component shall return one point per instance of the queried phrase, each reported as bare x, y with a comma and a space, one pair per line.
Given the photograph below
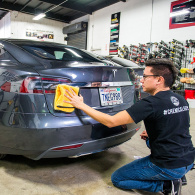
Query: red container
189, 94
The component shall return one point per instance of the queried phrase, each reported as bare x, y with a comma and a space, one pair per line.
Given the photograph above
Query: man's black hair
165, 68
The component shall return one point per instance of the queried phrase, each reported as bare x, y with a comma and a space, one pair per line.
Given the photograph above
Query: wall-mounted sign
182, 14
39, 34
114, 33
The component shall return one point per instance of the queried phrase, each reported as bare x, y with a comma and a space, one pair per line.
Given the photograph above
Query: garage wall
160, 24
21, 22
5, 26
142, 21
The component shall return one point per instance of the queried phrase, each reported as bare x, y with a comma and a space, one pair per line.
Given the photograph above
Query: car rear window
59, 53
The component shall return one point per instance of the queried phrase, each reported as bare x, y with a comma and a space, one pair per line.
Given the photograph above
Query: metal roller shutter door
78, 40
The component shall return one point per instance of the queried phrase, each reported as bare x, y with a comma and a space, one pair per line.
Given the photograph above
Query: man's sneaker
174, 188
184, 180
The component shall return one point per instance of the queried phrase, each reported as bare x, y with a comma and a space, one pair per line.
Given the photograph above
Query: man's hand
75, 100
121, 118
144, 135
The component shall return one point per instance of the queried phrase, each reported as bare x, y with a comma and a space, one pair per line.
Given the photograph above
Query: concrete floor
87, 175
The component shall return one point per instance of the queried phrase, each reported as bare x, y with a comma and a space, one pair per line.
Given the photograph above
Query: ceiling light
39, 16
42, 15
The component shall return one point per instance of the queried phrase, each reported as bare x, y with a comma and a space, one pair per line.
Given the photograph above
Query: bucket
189, 94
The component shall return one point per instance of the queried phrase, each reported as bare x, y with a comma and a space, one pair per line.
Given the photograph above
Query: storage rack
181, 53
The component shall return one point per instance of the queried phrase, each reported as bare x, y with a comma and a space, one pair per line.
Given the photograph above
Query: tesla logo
114, 71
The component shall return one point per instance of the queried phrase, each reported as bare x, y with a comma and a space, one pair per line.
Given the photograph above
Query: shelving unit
181, 53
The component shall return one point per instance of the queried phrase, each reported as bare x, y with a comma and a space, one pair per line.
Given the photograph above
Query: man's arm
120, 118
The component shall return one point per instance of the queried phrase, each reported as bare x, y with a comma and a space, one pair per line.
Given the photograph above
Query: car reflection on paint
29, 74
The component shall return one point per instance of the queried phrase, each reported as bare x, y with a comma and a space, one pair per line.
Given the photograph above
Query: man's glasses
152, 75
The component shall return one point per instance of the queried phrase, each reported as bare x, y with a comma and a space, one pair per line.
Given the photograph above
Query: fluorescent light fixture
179, 13
42, 15
38, 17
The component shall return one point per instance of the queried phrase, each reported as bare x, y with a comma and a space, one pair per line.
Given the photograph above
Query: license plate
110, 96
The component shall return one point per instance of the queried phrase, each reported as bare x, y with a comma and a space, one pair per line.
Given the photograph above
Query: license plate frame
110, 96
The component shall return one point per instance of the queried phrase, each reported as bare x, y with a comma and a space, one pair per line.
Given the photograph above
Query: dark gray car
29, 125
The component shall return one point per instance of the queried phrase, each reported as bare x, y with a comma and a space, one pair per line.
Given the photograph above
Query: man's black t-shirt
166, 118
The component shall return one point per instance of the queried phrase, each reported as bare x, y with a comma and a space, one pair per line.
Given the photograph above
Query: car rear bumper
89, 147
36, 135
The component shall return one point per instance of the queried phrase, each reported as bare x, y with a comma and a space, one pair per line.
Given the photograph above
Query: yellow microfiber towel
184, 70
59, 103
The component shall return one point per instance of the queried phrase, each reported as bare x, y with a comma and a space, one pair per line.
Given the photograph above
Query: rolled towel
183, 80
188, 80
191, 71
184, 70
59, 103
192, 81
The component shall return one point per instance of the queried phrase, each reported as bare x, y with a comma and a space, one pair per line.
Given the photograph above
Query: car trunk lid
91, 79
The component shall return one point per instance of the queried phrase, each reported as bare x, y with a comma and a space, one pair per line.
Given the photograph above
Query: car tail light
137, 81
34, 85
137, 84
68, 147
31, 85
50, 84
6, 86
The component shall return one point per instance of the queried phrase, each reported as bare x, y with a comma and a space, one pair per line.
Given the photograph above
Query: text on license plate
110, 96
